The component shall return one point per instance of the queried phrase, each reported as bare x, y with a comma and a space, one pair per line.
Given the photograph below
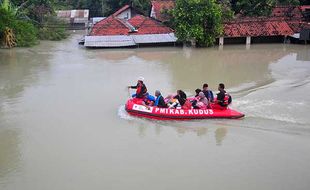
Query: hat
141, 79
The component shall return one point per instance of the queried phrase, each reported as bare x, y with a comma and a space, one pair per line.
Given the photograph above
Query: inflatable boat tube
134, 107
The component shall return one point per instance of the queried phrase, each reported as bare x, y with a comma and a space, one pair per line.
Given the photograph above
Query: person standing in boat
159, 102
141, 90
223, 98
208, 93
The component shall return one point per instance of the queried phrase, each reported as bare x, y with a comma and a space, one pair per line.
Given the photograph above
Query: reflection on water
62, 118
142, 130
9, 153
303, 55
220, 134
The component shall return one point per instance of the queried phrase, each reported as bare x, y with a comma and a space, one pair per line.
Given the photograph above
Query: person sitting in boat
159, 102
182, 98
223, 98
141, 91
197, 92
172, 102
149, 99
203, 102
208, 93
196, 98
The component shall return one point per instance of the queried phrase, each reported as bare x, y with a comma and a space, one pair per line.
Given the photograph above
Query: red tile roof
109, 26
158, 6
284, 20
142, 24
147, 25
257, 27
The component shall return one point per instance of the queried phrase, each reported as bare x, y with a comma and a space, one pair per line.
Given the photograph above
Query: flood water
63, 123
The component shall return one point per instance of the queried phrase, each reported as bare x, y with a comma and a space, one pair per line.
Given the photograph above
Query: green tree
227, 12
27, 17
25, 32
198, 20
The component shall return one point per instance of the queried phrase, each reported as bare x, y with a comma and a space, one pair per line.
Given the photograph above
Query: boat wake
122, 113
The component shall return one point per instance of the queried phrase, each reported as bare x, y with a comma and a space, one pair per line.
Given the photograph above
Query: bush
52, 29
25, 33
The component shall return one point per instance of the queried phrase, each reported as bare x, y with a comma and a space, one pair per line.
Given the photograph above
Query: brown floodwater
63, 123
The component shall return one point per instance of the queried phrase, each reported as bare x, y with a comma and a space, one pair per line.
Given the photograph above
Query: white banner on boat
142, 108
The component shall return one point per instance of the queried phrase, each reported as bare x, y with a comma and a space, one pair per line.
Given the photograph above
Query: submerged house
255, 30
76, 19
298, 18
128, 27
285, 22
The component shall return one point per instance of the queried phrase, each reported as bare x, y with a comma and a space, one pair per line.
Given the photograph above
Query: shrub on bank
25, 32
52, 29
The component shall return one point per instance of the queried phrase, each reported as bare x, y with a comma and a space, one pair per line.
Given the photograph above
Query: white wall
125, 14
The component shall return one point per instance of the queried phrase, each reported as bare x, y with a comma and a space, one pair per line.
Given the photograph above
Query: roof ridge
144, 17
127, 24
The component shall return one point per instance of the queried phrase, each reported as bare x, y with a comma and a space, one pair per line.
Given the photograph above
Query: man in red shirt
141, 89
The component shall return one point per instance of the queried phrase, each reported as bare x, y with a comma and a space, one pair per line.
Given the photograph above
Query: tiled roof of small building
158, 6
284, 20
141, 24
257, 27
109, 26
147, 25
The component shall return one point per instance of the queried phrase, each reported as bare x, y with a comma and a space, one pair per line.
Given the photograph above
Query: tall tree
198, 20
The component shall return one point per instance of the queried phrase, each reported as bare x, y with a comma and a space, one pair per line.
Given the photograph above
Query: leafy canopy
198, 20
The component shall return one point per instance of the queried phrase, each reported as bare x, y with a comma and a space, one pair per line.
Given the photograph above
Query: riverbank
63, 123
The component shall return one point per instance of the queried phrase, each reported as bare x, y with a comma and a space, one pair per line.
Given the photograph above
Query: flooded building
129, 28
283, 25
255, 30
286, 23
76, 19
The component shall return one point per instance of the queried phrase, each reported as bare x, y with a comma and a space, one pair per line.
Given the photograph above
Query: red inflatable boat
135, 108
